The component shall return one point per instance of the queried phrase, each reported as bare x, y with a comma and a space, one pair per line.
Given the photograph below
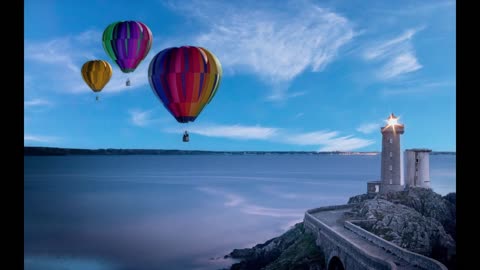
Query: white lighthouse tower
391, 167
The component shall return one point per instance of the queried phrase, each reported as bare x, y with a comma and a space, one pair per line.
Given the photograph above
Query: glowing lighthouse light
392, 121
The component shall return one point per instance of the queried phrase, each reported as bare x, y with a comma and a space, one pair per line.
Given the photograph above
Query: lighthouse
391, 166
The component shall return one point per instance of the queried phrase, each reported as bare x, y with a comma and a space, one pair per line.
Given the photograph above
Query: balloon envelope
96, 73
127, 43
185, 79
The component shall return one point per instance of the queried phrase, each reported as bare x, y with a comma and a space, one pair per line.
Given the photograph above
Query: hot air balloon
127, 43
96, 73
185, 79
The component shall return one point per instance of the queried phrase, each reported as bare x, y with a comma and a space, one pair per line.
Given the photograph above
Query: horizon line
200, 150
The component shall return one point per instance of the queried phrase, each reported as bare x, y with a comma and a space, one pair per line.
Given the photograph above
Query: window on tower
390, 167
390, 140
391, 154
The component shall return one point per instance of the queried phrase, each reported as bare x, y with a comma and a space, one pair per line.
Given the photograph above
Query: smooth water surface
182, 211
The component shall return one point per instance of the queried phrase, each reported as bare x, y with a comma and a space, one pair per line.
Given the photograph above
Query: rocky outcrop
295, 249
403, 226
360, 198
417, 219
427, 203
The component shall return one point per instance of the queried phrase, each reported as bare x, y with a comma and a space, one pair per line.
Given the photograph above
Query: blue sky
298, 76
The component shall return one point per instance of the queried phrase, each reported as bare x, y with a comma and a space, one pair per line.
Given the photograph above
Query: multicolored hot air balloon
96, 73
127, 43
185, 79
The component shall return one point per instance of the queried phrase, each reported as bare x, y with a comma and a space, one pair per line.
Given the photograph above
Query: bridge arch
335, 264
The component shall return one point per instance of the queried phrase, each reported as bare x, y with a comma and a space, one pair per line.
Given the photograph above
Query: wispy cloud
400, 64
326, 140
279, 93
311, 138
36, 102
274, 43
397, 55
418, 8
48, 61
368, 128
36, 138
236, 131
329, 140
345, 143
419, 88
298, 115
140, 118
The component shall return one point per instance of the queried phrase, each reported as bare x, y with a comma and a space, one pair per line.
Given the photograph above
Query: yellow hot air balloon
96, 73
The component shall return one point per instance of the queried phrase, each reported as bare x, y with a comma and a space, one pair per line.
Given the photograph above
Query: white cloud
36, 102
273, 43
346, 143
47, 61
298, 115
143, 118
140, 118
328, 140
236, 131
311, 138
419, 88
417, 9
280, 94
400, 64
368, 128
397, 55
36, 138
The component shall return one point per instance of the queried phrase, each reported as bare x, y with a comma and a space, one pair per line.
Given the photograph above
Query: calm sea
181, 212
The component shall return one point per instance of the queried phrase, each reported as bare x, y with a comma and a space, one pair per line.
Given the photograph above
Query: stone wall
419, 260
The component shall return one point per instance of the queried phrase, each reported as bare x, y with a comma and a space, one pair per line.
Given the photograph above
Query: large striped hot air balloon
185, 79
96, 74
127, 43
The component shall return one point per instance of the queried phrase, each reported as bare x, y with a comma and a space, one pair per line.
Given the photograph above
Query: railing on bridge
411, 257
356, 252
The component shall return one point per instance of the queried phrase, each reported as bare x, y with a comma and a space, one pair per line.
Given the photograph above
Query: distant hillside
53, 151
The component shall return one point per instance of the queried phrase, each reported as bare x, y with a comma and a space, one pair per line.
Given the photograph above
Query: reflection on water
181, 212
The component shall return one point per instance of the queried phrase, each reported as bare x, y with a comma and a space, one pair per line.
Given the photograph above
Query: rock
451, 197
416, 219
295, 249
406, 227
429, 204
360, 198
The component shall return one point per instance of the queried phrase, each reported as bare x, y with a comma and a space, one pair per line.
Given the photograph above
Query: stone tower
391, 167
418, 168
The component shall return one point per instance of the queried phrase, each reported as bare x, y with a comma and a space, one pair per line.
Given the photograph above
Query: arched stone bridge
347, 246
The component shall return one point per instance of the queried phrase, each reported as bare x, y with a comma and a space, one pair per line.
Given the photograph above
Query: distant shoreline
54, 151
